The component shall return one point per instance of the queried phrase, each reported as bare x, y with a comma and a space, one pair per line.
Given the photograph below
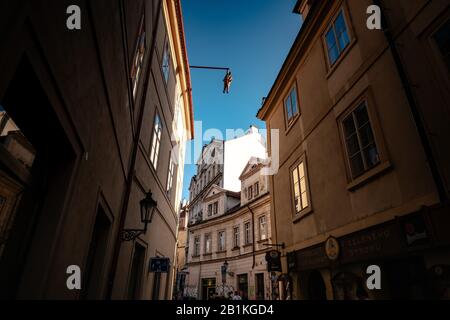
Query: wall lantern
148, 206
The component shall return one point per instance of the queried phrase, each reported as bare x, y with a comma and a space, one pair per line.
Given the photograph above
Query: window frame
219, 247
289, 122
167, 53
247, 240
170, 174
261, 219
351, 36
138, 59
256, 188
197, 246
207, 236
361, 148
236, 237
154, 157
296, 216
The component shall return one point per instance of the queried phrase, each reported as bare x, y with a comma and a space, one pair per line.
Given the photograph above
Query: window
170, 174
210, 209
256, 187
236, 237
207, 243
247, 233
362, 151
442, 39
262, 228
156, 140
215, 207
166, 61
291, 106
138, 56
337, 38
250, 193
299, 180
221, 241
197, 246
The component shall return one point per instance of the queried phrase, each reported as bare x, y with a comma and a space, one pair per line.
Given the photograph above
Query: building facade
107, 110
364, 155
234, 233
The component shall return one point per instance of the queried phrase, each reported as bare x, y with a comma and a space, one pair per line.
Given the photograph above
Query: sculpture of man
227, 82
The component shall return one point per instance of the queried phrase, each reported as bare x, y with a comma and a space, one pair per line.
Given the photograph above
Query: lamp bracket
131, 234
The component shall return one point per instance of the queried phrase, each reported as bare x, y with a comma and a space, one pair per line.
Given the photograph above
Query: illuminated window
300, 187
156, 140
138, 57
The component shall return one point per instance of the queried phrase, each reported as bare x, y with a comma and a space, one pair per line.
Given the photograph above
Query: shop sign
332, 248
159, 264
273, 259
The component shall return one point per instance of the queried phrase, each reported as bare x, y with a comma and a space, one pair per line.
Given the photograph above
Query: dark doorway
316, 287
406, 278
259, 281
243, 285
93, 278
137, 268
38, 212
208, 288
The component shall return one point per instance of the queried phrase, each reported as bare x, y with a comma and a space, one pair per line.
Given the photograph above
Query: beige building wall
365, 71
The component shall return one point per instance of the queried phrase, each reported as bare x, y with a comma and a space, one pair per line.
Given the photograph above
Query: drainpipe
253, 236
132, 168
413, 107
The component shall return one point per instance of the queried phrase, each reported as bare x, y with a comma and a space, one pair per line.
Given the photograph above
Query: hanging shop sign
332, 248
161, 265
273, 259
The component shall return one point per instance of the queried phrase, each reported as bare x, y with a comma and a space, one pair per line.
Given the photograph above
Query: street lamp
148, 206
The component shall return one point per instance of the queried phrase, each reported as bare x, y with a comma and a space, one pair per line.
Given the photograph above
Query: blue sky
252, 37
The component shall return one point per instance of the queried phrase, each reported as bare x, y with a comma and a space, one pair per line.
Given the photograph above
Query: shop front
412, 253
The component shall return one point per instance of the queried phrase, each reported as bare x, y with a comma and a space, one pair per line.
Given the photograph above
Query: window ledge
369, 175
302, 214
196, 256
344, 53
292, 123
263, 240
207, 254
247, 245
222, 251
236, 248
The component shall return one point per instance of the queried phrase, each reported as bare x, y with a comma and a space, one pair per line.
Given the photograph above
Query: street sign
159, 264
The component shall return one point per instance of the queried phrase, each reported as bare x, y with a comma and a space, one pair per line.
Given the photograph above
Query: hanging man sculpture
227, 82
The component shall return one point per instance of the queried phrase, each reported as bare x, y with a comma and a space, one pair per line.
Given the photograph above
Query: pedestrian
236, 296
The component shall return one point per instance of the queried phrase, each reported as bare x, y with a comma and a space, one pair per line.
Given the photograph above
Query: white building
237, 153
235, 229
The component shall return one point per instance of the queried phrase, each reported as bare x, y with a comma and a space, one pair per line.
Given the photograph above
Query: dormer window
250, 193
